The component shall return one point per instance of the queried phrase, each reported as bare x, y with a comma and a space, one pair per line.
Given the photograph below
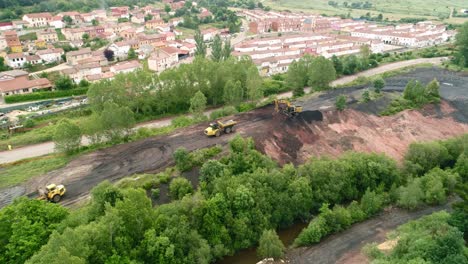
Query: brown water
249, 256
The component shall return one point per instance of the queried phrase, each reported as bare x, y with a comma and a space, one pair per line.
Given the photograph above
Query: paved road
48, 147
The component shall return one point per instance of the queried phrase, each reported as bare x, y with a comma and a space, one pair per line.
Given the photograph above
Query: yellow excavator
52, 193
218, 127
287, 107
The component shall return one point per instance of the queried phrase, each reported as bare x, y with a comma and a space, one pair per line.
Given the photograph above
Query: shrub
371, 203
182, 121
340, 102
410, 196
273, 87
182, 159
378, 83
180, 187
17, 98
29, 123
155, 193
245, 107
225, 111
366, 96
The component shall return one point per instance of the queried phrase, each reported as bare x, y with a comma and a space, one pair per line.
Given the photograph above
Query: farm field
393, 10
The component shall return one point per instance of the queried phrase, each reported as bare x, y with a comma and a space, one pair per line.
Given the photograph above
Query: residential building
154, 24
163, 59
17, 82
74, 56
6, 26
48, 35
125, 67
209, 34
38, 19
51, 55
16, 60
121, 48
12, 41
138, 18
56, 22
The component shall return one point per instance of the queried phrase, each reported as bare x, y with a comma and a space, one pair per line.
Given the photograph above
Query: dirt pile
299, 139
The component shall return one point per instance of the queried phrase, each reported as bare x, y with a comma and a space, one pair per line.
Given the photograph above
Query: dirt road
345, 247
48, 147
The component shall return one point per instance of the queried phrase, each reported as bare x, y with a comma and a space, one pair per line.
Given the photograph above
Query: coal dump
311, 115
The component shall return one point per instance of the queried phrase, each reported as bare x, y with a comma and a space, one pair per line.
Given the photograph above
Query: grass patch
15, 173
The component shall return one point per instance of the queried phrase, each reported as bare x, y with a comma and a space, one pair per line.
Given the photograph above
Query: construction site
318, 130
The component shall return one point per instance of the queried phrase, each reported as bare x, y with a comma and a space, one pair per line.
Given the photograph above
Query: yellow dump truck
218, 127
52, 193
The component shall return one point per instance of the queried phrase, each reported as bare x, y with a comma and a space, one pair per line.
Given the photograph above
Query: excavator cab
288, 108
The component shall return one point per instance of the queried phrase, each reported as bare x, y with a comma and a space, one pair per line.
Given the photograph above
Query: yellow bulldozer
287, 107
52, 193
218, 127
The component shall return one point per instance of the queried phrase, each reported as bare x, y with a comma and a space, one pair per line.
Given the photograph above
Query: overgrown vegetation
430, 239
415, 95
239, 196
18, 98
14, 173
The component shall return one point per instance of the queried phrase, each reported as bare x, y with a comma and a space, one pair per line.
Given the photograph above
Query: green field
393, 9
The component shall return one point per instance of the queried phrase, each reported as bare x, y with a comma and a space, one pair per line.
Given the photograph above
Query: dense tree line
240, 197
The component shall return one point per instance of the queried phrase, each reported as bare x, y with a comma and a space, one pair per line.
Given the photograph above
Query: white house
121, 48
51, 55
38, 19
16, 60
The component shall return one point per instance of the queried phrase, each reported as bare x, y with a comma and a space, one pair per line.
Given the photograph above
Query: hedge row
17, 98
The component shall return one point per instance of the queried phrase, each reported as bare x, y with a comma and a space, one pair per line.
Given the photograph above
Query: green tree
167, 8
67, 19
3, 67
198, 104
254, 84
233, 93
270, 246
25, 225
461, 40
462, 62
95, 22
411, 196
200, 44
227, 49
132, 54
182, 159
85, 37
340, 103
64, 83
414, 92
116, 121
67, 136
217, 49
422, 157
321, 73
337, 64
296, 78
180, 187
379, 84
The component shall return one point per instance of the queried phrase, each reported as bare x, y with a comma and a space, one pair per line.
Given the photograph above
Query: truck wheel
218, 133
228, 130
56, 198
